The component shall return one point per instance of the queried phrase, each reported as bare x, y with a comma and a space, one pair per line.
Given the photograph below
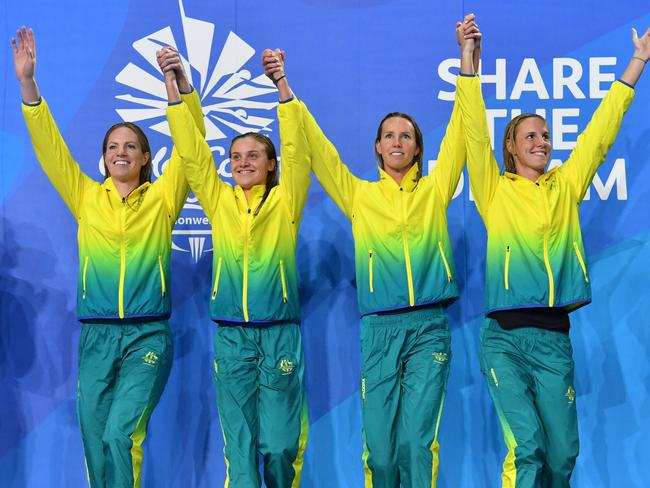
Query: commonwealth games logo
234, 102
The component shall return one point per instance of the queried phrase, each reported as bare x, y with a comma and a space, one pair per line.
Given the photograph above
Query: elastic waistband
131, 319
254, 325
422, 313
126, 321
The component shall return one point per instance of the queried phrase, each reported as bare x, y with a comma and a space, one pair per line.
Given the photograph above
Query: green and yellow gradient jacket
403, 255
124, 244
254, 279
535, 256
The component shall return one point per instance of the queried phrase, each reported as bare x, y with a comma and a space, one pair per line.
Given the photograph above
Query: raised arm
333, 175
170, 62
599, 135
481, 165
174, 184
294, 150
24, 47
639, 58
451, 157
453, 154
188, 133
49, 146
469, 37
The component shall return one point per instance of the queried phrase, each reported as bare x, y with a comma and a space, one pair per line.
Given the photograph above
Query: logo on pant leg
440, 357
286, 366
570, 394
150, 359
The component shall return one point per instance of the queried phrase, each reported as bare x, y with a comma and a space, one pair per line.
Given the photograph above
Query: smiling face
528, 146
250, 162
126, 155
397, 145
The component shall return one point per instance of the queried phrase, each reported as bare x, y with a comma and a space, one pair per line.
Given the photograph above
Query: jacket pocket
216, 279
284, 282
506, 271
83, 279
444, 260
581, 261
163, 288
370, 285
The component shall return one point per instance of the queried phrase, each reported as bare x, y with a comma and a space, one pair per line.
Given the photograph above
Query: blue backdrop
352, 62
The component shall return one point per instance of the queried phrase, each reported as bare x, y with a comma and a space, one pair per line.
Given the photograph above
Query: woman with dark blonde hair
123, 294
509, 138
536, 268
258, 359
405, 278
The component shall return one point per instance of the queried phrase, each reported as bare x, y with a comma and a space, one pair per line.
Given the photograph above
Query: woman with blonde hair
123, 294
536, 268
405, 278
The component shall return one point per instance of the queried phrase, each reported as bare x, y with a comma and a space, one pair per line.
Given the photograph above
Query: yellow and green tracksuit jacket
124, 244
254, 277
535, 256
403, 255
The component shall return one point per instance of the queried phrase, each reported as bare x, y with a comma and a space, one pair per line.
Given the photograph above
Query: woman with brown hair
254, 302
123, 294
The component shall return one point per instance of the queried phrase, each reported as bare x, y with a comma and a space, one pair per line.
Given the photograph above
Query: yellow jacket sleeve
333, 175
593, 144
296, 158
54, 156
197, 158
173, 182
451, 157
194, 104
481, 165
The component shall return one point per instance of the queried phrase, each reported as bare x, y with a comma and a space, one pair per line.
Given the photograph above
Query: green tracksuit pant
262, 404
405, 365
123, 369
529, 373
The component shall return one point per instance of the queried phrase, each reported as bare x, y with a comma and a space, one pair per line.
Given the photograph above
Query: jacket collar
137, 192
409, 181
543, 179
256, 194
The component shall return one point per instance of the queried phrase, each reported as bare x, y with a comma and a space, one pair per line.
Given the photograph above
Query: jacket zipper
444, 260
216, 279
507, 270
162, 276
372, 290
244, 297
547, 262
120, 293
582, 263
407, 257
84, 278
284, 283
